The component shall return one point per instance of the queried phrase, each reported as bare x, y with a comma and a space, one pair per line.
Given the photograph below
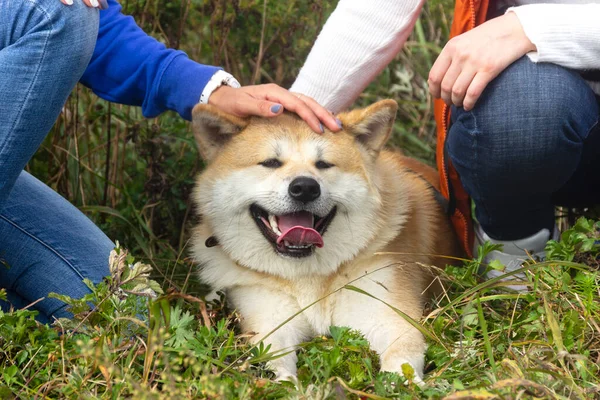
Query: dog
304, 231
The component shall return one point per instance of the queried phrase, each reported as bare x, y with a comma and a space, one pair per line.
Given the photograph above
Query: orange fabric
467, 15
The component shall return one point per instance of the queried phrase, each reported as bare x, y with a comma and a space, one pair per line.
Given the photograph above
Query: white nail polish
95, 3
69, 2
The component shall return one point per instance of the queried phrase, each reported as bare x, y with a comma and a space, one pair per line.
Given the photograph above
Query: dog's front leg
390, 335
264, 312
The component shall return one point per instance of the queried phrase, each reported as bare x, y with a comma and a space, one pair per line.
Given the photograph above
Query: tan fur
397, 217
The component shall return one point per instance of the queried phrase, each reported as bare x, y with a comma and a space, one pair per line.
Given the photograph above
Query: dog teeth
274, 225
297, 247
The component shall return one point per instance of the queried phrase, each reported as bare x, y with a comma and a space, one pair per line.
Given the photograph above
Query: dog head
283, 200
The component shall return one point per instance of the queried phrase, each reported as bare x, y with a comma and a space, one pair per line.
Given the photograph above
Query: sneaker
513, 254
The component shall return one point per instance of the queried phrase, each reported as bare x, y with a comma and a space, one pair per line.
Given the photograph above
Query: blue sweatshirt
130, 67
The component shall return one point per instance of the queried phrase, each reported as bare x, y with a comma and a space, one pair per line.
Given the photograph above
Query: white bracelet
219, 79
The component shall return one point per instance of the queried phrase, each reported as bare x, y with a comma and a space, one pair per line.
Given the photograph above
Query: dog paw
286, 376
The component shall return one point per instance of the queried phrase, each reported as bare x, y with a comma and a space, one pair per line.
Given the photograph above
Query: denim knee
527, 129
77, 26
74, 30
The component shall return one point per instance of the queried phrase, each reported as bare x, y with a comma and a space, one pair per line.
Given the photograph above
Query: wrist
218, 94
523, 42
219, 79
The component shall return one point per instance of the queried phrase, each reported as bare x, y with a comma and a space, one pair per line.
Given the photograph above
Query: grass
129, 339
147, 333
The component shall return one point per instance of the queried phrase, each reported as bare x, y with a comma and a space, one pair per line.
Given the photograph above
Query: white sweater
361, 37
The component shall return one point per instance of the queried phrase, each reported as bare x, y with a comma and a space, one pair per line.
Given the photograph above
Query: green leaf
497, 265
554, 326
587, 245
10, 371
469, 314
181, 327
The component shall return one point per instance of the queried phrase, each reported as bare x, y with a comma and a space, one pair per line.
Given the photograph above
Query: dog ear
371, 126
213, 128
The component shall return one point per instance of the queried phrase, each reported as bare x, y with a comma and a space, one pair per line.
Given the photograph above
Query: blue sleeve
130, 67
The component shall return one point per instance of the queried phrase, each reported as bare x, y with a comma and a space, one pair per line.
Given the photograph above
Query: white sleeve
564, 34
358, 40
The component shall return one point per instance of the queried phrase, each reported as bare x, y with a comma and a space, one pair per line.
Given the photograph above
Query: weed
127, 339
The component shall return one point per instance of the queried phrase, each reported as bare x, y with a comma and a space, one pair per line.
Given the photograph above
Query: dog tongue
297, 228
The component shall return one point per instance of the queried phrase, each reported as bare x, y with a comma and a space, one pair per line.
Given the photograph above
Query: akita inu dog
290, 217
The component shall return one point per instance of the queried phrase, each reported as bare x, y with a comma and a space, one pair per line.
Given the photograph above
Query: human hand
269, 101
101, 4
470, 61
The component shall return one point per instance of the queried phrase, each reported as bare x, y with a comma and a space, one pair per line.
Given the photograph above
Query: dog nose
304, 189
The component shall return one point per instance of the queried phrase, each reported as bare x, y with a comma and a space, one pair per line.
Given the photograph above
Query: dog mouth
295, 234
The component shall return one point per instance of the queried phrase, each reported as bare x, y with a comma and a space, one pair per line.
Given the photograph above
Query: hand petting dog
270, 100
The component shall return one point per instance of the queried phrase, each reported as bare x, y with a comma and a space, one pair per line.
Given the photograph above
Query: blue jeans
46, 244
531, 142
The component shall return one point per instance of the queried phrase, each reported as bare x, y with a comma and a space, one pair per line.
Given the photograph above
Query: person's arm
358, 40
130, 67
564, 34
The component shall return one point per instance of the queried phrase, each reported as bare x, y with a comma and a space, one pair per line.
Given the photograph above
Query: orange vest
467, 15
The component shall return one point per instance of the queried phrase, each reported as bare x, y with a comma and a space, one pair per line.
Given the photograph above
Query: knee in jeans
529, 95
532, 113
73, 32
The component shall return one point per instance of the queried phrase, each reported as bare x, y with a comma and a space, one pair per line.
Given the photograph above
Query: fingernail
69, 2
103, 4
339, 122
94, 3
322, 129
275, 108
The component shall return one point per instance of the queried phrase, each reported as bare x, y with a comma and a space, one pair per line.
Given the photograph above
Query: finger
326, 116
246, 105
291, 102
437, 72
478, 84
459, 90
67, 2
476, 87
295, 103
448, 82
91, 3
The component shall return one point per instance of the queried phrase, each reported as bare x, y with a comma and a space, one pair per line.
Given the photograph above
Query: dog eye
323, 164
271, 163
